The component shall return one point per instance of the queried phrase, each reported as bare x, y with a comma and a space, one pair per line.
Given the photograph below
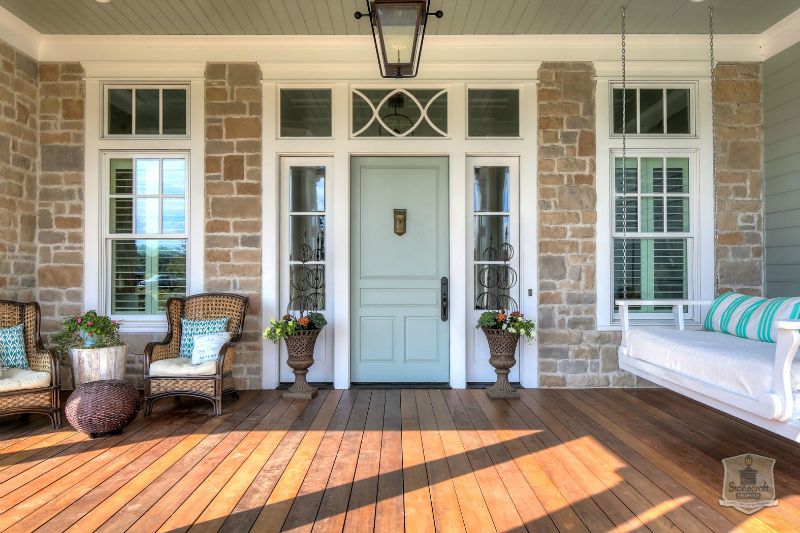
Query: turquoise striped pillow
750, 317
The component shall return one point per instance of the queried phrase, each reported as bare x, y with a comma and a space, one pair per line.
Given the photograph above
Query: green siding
782, 172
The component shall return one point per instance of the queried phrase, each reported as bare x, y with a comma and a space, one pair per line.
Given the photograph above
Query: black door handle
445, 303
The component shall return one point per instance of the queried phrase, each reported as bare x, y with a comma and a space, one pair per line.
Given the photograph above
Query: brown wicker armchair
208, 386
44, 400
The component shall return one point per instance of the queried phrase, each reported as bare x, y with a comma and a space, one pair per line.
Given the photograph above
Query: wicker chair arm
225, 359
55, 369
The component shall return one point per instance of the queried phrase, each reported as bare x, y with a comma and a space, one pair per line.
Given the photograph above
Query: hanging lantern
398, 29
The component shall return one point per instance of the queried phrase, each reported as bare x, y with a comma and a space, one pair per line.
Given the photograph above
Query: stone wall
572, 353
233, 199
740, 201
60, 206
19, 80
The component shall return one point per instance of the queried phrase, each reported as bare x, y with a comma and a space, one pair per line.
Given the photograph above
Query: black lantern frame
398, 69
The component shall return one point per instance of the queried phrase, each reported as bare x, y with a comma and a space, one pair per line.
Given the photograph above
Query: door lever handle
445, 299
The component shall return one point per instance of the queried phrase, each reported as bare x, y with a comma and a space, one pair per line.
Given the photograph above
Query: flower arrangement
288, 325
88, 330
514, 323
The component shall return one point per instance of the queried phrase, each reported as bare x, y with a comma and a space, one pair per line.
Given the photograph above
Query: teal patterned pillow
12, 347
190, 328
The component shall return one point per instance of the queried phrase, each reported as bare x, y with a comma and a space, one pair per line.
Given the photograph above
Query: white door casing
341, 147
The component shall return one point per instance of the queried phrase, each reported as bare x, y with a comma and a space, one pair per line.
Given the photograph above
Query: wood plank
416, 494
264, 438
361, 508
333, 507
93, 509
543, 443
32, 497
113, 475
389, 507
529, 507
611, 472
717, 449
280, 500
694, 470
164, 506
504, 514
698, 508
446, 510
304, 508
27, 484
272, 460
559, 510
130, 503
24, 449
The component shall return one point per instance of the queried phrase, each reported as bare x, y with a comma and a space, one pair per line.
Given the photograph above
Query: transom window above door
146, 110
399, 113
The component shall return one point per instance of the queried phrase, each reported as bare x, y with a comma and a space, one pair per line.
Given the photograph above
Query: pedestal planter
96, 364
301, 356
502, 352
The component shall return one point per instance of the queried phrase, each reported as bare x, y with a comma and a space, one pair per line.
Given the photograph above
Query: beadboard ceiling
335, 17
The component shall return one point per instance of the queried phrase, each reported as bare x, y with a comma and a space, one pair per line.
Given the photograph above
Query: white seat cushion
735, 364
182, 366
23, 378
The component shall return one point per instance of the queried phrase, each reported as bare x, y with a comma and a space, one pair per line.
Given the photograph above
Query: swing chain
624, 164
714, 146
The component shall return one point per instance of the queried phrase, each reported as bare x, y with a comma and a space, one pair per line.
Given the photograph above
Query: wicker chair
212, 386
44, 400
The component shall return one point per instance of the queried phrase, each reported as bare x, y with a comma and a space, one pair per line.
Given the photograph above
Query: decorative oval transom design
399, 112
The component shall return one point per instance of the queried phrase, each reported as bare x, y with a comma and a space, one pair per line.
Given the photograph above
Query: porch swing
743, 360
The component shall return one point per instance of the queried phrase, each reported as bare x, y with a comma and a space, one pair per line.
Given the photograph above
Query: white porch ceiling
335, 17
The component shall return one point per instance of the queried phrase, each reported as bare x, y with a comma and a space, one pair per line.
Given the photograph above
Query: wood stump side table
104, 406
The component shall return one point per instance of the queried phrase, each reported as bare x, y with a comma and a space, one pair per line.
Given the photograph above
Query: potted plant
300, 335
96, 351
503, 331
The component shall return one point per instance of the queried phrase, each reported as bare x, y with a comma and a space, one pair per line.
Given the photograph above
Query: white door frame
341, 147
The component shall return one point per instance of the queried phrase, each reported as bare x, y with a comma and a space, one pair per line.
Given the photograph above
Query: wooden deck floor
385, 460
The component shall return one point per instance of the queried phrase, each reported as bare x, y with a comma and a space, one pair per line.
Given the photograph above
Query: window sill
142, 326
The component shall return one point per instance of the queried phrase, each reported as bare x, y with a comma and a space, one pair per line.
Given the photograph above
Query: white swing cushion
735, 364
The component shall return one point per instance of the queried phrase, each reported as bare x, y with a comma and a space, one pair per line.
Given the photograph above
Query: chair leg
235, 395
217, 406
57, 419
148, 406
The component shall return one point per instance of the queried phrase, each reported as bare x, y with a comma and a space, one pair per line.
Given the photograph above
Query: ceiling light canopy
398, 29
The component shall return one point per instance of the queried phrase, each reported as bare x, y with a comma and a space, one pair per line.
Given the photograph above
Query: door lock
445, 303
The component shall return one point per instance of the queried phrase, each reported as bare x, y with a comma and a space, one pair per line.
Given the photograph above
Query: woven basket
300, 347
102, 406
502, 356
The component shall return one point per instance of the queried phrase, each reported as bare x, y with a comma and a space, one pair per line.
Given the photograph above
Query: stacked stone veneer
572, 353
19, 79
60, 205
739, 113
233, 199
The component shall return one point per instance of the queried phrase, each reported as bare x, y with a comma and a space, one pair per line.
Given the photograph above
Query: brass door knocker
400, 222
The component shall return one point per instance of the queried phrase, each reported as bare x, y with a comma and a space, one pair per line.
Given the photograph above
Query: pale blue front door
399, 332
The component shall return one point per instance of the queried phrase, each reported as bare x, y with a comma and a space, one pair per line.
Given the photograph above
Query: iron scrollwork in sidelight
496, 281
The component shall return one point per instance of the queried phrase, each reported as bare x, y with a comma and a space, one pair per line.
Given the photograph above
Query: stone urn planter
502, 356
300, 347
96, 364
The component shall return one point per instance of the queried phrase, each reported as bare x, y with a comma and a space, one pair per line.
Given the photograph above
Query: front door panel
397, 332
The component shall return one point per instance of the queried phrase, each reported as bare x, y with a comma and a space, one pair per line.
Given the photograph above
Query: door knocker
400, 222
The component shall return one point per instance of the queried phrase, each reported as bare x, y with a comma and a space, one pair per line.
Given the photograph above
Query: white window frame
323, 350
693, 109
109, 237
369, 86
698, 147
478, 367
152, 86
99, 75
301, 86
489, 87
